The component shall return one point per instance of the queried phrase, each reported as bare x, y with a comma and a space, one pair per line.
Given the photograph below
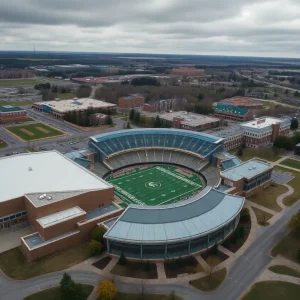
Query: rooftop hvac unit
41, 197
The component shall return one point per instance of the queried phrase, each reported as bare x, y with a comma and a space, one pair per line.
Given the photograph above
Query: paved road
241, 275
19, 146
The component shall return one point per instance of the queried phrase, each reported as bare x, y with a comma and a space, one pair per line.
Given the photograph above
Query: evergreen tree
294, 123
157, 123
131, 115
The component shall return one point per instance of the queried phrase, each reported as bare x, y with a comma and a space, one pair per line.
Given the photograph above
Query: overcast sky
226, 27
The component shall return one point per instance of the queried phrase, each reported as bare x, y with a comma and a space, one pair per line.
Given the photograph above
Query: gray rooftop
204, 213
247, 170
225, 133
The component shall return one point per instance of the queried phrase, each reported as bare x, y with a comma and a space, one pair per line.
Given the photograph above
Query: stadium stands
212, 176
202, 144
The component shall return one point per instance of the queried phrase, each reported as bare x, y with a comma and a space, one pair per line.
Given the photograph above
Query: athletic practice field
155, 185
33, 132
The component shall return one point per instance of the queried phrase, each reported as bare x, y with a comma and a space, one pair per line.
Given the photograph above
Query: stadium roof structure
43, 173
203, 136
198, 216
248, 169
236, 110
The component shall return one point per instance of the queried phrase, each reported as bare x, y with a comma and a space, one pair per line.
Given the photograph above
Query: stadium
169, 184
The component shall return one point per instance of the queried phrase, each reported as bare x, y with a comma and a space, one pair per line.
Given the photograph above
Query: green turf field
33, 132
155, 185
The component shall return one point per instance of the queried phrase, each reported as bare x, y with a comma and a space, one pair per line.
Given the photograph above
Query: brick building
63, 201
98, 119
165, 105
247, 178
12, 114
189, 121
188, 71
263, 131
131, 101
233, 113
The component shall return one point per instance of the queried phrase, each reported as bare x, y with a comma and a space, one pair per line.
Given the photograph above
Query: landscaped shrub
122, 260
95, 247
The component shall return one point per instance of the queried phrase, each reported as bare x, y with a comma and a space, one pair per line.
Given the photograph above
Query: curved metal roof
110, 135
204, 213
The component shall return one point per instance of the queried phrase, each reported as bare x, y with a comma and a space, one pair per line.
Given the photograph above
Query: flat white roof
247, 170
61, 216
75, 104
44, 172
190, 119
261, 123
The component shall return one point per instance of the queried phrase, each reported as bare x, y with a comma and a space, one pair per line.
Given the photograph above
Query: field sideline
155, 185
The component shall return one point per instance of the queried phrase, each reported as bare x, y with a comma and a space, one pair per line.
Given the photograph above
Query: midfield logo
153, 185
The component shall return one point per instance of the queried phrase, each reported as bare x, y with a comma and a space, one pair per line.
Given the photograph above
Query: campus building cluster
12, 114
58, 109
63, 201
188, 71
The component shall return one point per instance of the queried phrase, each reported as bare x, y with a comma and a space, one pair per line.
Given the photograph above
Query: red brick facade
13, 117
130, 102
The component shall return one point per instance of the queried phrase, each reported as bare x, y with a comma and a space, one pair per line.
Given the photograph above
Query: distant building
98, 119
131, 101
188, 71
189, 121
12, 114
165, 105
247, 178
90, 80
16, 74
242, 102
263, 131
71, 67
233, 113
233, 137
58, 109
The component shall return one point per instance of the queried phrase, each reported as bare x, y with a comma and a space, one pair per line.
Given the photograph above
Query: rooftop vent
30, 169
41, 197
49, 198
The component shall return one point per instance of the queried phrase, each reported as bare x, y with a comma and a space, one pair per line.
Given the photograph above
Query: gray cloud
237, 27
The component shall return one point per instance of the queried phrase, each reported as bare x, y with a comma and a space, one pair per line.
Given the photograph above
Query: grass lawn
17, 103
125, 296
266, 154
262, 216
64, 96
273, 290
136, 270
284, 270
33, 132
288, 247
210, 282
14, 264
18, 82
2, 144
155, 185
267, 197
294, 183
53, 293
291, 163
175, 267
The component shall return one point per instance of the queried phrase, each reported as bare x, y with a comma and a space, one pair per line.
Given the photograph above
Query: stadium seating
201, 144
212, 176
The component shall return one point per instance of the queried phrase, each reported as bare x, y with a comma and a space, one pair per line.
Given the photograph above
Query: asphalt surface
241, 275
58, 143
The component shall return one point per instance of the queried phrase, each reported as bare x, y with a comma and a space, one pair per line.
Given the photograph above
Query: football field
155, 185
